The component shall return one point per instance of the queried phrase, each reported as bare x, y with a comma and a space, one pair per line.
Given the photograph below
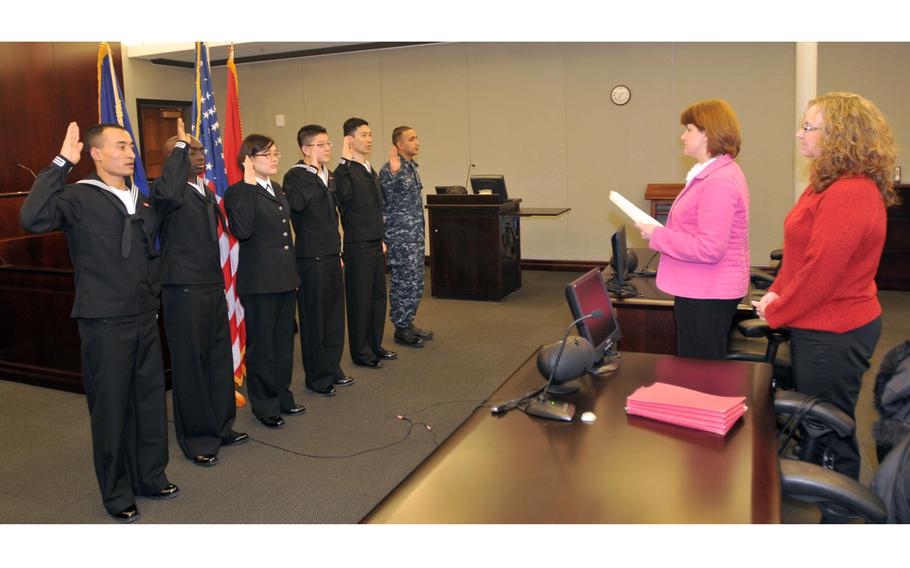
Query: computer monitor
584, 295
494, 184
623, 264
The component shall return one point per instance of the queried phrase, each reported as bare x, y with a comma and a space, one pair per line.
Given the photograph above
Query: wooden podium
475, 246
39, 341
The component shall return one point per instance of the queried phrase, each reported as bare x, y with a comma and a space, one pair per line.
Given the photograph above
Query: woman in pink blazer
704, 248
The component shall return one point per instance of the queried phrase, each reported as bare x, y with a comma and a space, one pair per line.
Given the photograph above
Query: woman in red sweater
833, 239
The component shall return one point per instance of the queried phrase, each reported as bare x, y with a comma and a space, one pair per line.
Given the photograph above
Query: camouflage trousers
406, 263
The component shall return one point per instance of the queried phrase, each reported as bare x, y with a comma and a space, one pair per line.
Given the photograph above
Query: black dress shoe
127, 515
406, 336
294, 410
422, 333
235, 438
275, 422
169, 492
345, 382
377, 364
205, 461
388, 355
328, 391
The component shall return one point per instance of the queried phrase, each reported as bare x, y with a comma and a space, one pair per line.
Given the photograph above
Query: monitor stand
546, 407
567, 387
607, 364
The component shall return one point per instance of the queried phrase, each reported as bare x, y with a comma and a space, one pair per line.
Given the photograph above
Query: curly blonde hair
855, 140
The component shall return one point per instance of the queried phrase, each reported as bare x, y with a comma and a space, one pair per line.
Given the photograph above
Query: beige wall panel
539, 114
338, 87
612, 147
758, 80
518, 129
427, 89
878, 71
145, 80
266, 90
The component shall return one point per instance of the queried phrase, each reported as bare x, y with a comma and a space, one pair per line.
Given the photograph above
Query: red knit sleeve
842, 220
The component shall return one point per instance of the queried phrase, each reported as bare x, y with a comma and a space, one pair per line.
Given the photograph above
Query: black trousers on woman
269, 351
703, 327
830, 366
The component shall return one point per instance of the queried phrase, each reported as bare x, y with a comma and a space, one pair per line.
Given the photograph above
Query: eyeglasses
195, 152
321, 145
806, 127
270, 155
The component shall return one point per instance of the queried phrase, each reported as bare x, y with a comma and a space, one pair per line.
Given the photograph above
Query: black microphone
467, 178
541, 393
595, 314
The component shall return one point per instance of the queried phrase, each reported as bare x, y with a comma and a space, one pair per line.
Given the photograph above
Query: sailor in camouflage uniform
404, 235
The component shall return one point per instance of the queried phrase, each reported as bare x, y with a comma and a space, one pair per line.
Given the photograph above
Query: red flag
233, 132
233, 138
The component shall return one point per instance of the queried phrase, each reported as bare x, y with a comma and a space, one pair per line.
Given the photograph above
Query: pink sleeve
717, 203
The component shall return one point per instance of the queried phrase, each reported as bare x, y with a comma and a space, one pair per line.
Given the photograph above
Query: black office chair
762, 278
841, 499
782, 375
805, 423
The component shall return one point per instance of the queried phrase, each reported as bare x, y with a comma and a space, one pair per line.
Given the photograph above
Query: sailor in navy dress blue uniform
195, 309
110, 233
310, 190
267, 281
361, 202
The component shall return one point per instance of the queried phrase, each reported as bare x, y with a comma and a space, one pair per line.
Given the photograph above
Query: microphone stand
542, 405
467, 178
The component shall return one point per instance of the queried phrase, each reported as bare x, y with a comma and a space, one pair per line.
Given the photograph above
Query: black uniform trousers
703, 327
365, 291
830, 366
320, 309
198, 336
123, 373
269, 351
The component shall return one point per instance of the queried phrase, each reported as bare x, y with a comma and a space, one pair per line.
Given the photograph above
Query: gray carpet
331, 465
325, 466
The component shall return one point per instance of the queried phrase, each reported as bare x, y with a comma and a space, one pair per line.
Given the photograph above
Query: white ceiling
185, 52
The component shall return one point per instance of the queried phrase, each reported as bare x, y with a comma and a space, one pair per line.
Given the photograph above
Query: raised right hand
394, 161
249, 174
346, 152
181, 132
72, 147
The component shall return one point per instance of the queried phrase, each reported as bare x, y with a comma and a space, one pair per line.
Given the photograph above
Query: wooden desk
647, 322
542, 211
619, 469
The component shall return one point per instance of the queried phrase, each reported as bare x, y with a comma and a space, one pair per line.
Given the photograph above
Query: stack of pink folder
687, 407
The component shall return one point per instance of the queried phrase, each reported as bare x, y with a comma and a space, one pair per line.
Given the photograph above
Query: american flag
208, 131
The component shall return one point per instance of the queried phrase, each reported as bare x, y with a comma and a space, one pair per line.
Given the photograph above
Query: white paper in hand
632, 211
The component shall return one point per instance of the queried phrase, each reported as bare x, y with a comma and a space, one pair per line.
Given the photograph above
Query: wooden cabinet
661, 196
894, 268
475, 246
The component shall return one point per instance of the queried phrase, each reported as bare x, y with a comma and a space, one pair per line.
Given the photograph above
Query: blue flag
112, 111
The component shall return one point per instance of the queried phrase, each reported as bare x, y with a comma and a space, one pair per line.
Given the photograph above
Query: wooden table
619, 469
